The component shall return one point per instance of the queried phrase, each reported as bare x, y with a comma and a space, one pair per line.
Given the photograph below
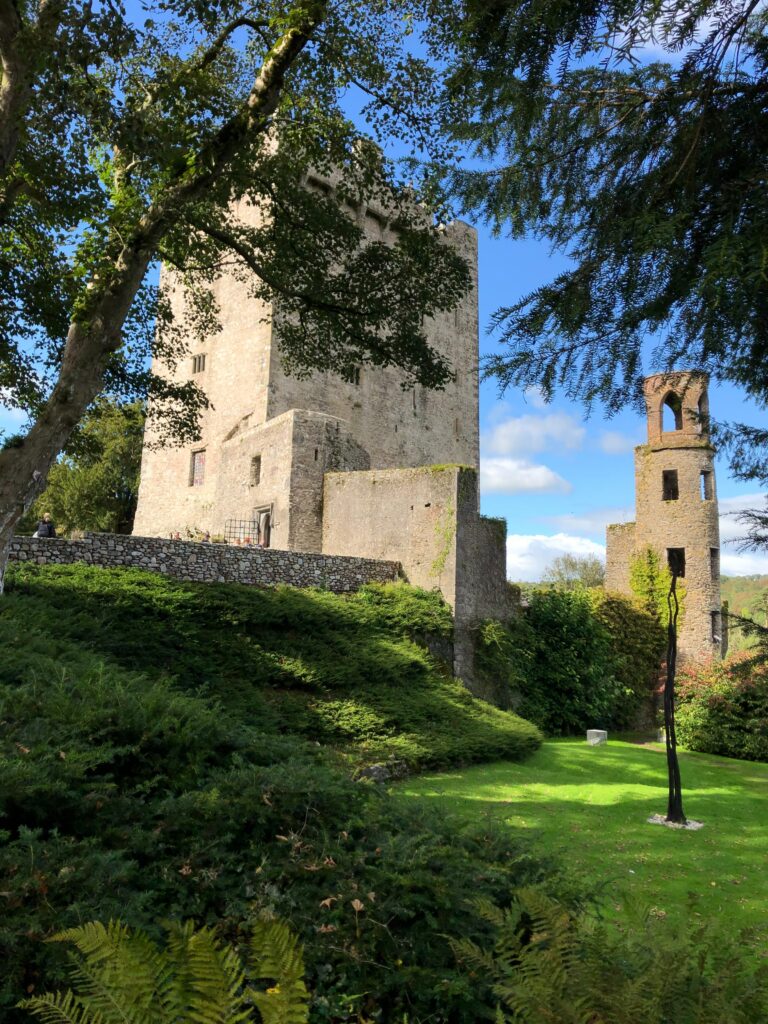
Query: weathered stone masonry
369, 467
208, 563
677, 513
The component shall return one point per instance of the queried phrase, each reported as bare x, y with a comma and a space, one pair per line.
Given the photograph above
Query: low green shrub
344, 671
723, 709
548, 964
140, 782
575, 659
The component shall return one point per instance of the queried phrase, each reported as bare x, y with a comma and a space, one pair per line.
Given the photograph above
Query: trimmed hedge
723, 709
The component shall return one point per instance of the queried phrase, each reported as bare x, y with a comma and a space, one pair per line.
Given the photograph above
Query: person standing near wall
45, 527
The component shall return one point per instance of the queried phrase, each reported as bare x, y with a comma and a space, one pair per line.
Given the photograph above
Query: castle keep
357, 468
676, 513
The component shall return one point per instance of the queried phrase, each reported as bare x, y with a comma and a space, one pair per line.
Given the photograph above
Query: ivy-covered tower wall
676, 509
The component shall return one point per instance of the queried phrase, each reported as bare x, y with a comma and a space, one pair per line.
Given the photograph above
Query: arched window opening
671, 413
702, 422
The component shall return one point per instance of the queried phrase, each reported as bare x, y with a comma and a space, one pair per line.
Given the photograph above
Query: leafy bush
146, 791
637, 647
344, 671
650, 581
723, 709
575, 659
551, 965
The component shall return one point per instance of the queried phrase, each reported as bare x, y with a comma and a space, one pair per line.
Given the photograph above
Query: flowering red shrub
723, 708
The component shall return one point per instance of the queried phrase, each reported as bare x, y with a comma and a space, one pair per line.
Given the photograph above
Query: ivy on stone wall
650, 580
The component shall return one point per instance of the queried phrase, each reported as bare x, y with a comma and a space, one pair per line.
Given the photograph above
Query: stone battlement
208, 563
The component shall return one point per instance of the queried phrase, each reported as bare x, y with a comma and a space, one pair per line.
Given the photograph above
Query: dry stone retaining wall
208, 563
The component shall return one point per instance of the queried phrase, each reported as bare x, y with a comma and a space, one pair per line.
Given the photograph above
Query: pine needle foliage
550, 965
122, 977
632, 138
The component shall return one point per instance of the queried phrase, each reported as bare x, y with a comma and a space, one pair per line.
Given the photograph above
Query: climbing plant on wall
650, 581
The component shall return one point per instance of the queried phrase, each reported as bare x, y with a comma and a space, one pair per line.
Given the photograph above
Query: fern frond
470, 954
206, 983
59, 1008
276, 954
96, 941
124, 978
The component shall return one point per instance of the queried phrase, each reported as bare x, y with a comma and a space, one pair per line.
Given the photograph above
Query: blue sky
557, 478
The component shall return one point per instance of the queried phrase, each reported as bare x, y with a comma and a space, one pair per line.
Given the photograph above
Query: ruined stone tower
676, 508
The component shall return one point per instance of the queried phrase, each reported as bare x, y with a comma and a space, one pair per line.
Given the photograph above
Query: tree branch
96, 330
248, 257
16, 71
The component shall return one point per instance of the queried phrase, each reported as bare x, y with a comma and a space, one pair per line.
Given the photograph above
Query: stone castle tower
268, 439
676, 508
356, 467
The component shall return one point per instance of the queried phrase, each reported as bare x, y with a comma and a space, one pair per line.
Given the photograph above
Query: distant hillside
746, 596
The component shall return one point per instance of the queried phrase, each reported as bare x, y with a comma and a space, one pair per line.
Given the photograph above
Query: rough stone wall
295, 450
236, 496
246, 386
410, 513
620, 548
320, 444
235, 379
678, 513
428, 519
688, 522
207, 563
403, 428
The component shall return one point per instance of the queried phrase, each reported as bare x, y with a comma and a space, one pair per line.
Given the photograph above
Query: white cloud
518, 476
528, 555
614, 443
730, 528
592, 522
732, 561
521, 435
534, 396
750, 563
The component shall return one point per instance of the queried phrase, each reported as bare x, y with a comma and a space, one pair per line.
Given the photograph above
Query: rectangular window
197, 468
717, 635
707, 487
198, 363
669, 486
316, 185
714, 562
255, 477
676, 561
375, 224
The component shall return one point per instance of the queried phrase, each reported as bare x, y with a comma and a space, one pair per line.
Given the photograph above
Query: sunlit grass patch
589, 805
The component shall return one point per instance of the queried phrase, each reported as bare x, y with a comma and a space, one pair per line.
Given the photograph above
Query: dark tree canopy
125, 142
650, 175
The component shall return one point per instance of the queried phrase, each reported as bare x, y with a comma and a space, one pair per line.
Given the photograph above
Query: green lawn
589, 806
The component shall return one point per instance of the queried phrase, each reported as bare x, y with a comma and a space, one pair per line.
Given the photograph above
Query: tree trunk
97, 332
24, 468
675, 798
